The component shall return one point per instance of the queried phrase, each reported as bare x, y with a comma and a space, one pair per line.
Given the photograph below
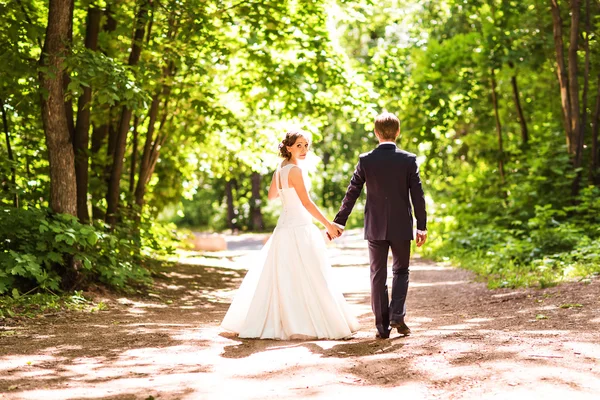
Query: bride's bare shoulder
295, 171
287, 164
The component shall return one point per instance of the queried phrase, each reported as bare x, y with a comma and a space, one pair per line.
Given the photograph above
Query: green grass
34, 305
513, 263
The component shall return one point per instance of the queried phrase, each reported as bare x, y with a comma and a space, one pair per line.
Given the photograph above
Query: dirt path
467, 342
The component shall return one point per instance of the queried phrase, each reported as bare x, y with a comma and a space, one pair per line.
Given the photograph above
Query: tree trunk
114, 182
100, 132
561, 71
256, 202
67, 78
63, 186
583, 118
574, 91
100, 170
99, 135
151, 21
498, 127
82, 127
11, 158
134, 153
112, 196
153, 144
61, 157
573, 84
594, 176
147, 152
231, 217
154, 155
586, 84
517, 97
111, 23
158, 144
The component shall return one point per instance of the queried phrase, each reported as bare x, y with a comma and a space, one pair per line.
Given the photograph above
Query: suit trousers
378, 255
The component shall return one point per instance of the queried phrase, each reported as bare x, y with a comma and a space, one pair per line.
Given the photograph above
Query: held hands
333, 231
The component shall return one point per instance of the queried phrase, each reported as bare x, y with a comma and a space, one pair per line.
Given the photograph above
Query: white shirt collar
386, 143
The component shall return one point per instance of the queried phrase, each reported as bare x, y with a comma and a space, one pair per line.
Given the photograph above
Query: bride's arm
273, 192
297, 182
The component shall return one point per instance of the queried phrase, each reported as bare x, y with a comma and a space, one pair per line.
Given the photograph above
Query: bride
289, 293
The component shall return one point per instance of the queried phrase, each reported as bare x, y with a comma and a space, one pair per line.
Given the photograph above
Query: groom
391, 176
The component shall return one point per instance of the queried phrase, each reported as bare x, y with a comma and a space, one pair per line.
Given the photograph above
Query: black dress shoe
380, 336
401, 326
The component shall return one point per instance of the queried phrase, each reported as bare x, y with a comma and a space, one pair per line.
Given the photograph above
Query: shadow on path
467, 342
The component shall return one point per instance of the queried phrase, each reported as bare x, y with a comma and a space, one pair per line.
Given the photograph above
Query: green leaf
92, 238
18, 270
55, 257
571, 305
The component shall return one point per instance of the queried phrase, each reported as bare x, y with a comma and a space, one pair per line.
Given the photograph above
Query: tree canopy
120, 117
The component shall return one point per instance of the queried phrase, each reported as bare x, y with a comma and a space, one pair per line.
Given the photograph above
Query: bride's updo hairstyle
290, 138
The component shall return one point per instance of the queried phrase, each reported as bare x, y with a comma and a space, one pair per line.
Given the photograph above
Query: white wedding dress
288, 293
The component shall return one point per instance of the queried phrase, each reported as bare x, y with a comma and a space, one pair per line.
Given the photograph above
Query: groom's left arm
354, 189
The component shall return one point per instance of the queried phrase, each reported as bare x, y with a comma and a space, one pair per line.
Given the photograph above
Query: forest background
126, 122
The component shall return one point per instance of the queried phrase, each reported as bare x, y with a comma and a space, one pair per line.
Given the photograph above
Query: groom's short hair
387, 125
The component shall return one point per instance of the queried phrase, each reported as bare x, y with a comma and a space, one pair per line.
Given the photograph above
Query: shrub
36, 245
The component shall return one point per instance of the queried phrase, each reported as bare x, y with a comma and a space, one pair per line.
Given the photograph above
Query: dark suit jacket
391, 176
